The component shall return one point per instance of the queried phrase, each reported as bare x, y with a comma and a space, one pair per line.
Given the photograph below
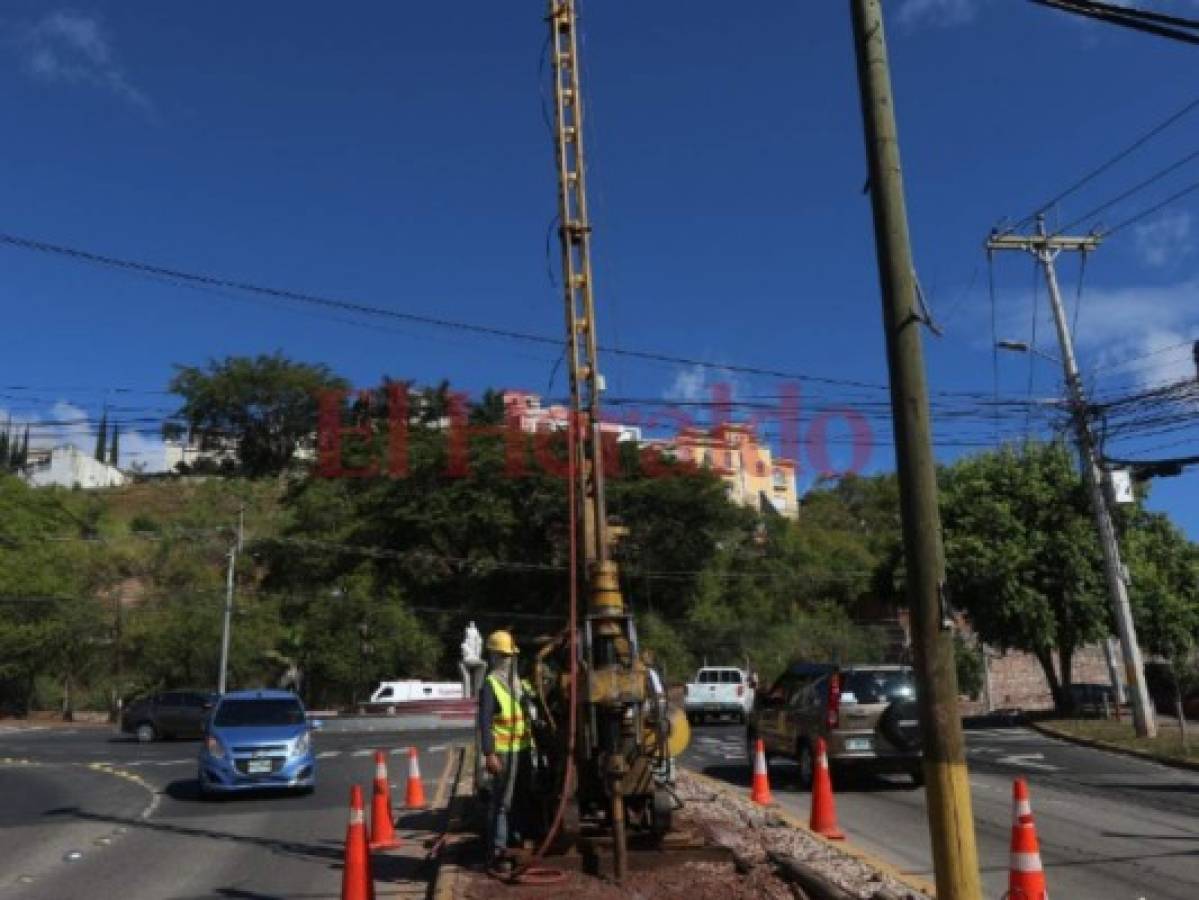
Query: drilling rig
605, 735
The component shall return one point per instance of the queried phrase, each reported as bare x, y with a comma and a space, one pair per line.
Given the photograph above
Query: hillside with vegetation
343, 581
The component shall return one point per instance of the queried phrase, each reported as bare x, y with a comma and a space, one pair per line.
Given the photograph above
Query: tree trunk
1066, 659
1045, 658
1182, 719
68, 712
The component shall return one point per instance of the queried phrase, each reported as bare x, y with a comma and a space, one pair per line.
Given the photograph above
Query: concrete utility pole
228, 622
1045, 248
950, 820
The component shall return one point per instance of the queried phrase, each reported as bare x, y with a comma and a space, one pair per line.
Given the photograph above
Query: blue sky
397, 154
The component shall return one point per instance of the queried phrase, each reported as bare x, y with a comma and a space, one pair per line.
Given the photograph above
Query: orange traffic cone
1026, 878
414, 796
356, 880
760, 788
383, 835
824, 810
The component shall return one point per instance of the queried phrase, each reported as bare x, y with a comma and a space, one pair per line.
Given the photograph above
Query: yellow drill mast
614, 765
574, 229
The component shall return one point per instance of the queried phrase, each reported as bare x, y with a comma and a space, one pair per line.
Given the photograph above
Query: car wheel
803, 754
692, 719
145, 733
917, 775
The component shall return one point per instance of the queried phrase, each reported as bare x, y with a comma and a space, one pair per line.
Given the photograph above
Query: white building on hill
68, 466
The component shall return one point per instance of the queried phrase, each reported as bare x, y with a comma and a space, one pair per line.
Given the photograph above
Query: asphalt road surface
88, 813
1111, 827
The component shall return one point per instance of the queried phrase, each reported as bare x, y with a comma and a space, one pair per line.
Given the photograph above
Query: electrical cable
1104, 167
359, 308
1135, 189
1157, 207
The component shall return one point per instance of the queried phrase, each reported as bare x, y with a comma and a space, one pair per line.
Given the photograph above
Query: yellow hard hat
501, 642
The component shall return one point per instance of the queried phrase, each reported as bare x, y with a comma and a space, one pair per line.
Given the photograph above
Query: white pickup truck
718, 691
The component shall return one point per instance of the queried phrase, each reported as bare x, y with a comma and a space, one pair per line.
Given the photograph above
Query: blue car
255, 740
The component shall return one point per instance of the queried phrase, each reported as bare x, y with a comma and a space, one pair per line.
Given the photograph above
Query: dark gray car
169, 714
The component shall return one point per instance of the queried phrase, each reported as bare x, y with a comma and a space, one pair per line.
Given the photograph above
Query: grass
1167, 745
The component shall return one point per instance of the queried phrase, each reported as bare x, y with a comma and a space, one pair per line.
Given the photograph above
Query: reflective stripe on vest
508, 726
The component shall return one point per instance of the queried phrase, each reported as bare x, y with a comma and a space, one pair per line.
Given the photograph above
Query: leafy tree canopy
265, 405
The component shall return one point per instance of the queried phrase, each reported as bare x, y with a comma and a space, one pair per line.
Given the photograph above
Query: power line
1129, 17
1157, 207
1135, 189
219, 282
1099, 170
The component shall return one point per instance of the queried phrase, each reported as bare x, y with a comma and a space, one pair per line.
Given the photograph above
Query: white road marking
1024, 761
362, 753
437, 748
326, 754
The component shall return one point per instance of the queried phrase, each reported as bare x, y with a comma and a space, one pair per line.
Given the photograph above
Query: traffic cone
414, 796
383, 835
1026, 877
824, 810
356, 880
760, 789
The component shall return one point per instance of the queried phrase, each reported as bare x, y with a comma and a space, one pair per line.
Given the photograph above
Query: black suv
168, 714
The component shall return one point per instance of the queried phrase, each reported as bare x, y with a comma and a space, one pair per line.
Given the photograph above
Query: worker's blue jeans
502, 826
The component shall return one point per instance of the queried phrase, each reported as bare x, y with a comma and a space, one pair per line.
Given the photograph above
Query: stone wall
1017, 681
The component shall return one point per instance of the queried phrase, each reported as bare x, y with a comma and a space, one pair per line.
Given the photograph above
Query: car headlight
214, 747
302, 745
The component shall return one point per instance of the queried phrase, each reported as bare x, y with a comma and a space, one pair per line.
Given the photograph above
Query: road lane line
328, 754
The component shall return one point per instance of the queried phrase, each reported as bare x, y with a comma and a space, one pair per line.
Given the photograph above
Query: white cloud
914, 13
689, 385
1165, 239
66, 423
73, 48
1138, 334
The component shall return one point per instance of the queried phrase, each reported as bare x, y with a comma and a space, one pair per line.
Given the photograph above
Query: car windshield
240, 713
878, 686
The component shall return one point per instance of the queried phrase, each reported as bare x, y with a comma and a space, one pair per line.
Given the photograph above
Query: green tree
357, 633
114, 449
1022, 558
1164, 592
265, 406
101, 451
23, 458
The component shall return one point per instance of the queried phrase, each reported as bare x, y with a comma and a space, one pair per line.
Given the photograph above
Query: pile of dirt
755, 833
689, 881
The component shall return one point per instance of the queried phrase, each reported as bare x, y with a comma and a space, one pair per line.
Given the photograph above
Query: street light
1025, 347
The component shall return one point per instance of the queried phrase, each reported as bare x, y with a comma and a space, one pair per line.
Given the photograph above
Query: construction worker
505, 744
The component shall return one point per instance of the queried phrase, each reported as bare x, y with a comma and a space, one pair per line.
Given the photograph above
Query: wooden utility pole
950, 821
1046, 247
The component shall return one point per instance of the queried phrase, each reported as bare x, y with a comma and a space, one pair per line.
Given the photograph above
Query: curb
1095, 744
450, 868
913, 882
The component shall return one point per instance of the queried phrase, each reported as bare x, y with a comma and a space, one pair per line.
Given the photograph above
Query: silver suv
866, 714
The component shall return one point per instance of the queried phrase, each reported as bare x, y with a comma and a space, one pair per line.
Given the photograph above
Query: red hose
572, 649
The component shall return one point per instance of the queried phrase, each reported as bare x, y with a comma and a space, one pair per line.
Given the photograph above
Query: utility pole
234, 550
1045, 248
950, 820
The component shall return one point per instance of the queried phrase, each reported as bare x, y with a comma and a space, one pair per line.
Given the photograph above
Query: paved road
1111, 827
94, 815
